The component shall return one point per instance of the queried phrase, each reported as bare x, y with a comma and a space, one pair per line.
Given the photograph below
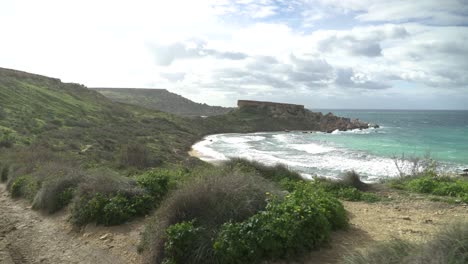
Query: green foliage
4, 173
24, 186
437, 185
7, 140
110, 209
212, 196
158, 181
278, 173
342, 190
180, 239
299, 222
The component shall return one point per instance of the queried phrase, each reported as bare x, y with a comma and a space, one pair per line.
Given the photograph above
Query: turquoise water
441, 134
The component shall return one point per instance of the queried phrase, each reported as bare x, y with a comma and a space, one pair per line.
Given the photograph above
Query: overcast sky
322, 53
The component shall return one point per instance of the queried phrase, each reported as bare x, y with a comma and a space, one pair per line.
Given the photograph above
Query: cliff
294, 116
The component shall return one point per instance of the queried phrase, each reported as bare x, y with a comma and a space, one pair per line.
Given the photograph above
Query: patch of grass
213, 197
455, 187
449, 245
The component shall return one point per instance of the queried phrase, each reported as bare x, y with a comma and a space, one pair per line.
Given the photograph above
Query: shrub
58, 186
110, 209
436, 185
213, 197
134, 155
300, 222
24, 186
4, 173
157, 182
180, 239
276, 173
345, 189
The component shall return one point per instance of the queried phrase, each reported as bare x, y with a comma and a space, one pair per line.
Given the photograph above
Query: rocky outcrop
280, 116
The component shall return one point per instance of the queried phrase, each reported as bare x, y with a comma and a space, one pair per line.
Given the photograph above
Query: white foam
311, 148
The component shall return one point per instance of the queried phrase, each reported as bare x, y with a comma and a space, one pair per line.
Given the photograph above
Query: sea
403, 137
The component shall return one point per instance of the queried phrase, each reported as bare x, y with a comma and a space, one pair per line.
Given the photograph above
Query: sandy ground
27, 236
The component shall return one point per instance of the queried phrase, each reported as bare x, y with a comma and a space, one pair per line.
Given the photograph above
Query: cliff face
270, 116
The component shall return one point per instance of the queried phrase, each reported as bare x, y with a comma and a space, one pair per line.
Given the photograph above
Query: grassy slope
163, 100
68, 117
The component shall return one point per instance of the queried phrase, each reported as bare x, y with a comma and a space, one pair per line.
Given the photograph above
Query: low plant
287, 227
24, 186
180, 239
436, 185
213, 196
4, 173
158, 181
349, 188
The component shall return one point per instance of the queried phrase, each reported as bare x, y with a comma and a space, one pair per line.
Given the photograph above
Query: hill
163, 100
71, 118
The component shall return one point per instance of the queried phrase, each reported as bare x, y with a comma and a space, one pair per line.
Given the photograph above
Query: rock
406, 218
428, 221
106, 236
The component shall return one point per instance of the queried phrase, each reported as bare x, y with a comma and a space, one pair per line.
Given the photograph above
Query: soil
27, 236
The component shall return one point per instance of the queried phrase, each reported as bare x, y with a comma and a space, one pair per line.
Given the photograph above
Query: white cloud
228, 49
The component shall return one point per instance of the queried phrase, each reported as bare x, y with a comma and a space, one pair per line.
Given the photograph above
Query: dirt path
26, 236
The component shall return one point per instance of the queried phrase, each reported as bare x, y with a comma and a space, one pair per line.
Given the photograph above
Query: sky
364, 54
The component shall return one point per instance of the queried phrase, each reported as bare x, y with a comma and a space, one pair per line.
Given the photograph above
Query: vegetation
299, 222
455, 187
450, 245
162, 100
5, 169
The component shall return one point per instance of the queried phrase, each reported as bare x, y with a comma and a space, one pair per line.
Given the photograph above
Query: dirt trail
26, 236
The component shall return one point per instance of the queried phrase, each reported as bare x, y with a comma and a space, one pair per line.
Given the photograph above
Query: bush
276, 173
134, 155
436, 185
345, 189
4, 173
180, 239
58, 187
300, 222
109, 199
450, 245
110, 209
157, 182
24, 186
213, 197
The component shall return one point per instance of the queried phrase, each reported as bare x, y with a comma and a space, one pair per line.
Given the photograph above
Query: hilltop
162, 100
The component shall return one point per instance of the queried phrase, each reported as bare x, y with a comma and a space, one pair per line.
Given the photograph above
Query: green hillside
69, 117
163, 100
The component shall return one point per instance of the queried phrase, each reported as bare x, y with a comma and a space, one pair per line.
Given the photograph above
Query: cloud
166, 54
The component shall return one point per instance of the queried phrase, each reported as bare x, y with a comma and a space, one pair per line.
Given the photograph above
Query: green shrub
110, 209
276, 173
342, 190
180, 239
157, 182
436, 185
299, 222
4, 173
24, 186
213, 197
